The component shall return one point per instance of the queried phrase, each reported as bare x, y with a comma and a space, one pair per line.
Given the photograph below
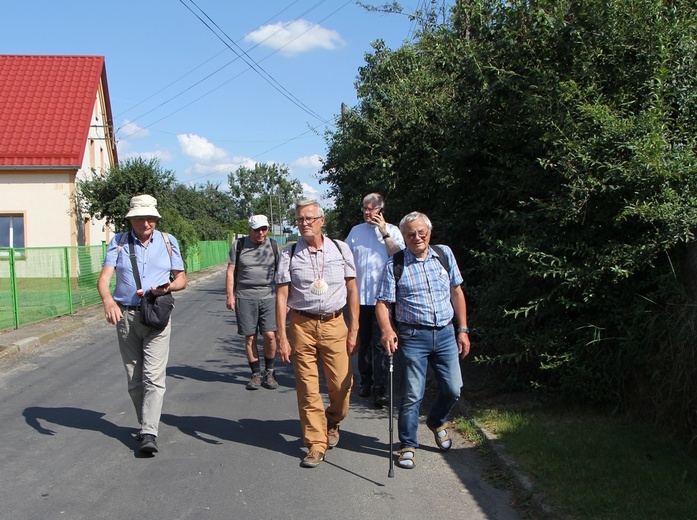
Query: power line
310, 9
253, 64
202, 64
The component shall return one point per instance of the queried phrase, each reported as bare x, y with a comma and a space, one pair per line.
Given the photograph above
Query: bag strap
134, 263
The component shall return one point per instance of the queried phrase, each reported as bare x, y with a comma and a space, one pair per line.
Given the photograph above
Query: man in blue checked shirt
427, 297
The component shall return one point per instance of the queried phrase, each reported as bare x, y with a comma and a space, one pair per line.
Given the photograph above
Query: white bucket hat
258, 221
143, 206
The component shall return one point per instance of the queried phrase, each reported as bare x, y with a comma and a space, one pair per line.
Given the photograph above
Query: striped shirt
309, 264
423, 294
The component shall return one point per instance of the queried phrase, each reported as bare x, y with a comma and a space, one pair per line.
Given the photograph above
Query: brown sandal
445, 442
407, 458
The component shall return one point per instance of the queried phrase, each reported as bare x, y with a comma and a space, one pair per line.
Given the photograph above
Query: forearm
179, 283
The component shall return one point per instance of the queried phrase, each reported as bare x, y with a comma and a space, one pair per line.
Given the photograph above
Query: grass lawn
588, 465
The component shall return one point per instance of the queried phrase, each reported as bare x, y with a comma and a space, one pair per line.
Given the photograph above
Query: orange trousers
312, 340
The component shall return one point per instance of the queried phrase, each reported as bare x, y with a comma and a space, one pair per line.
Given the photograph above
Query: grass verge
586, 465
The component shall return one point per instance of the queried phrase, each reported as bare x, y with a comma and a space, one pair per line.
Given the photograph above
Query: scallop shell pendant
319, 286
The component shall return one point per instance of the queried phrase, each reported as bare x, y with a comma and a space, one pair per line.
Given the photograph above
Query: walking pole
390, 473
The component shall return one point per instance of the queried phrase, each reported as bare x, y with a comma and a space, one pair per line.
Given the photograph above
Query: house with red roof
56, 127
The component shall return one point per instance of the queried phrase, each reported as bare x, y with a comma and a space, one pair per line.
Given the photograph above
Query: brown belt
326, 316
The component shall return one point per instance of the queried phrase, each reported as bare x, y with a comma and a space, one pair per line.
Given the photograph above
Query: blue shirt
423, 293
153, 260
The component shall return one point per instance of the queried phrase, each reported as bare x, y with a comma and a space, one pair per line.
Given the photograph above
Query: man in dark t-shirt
251, 293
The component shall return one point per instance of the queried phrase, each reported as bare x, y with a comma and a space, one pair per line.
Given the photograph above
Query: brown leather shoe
332, 435
312, 460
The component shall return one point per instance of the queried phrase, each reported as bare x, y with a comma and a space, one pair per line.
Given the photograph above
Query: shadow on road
78, 418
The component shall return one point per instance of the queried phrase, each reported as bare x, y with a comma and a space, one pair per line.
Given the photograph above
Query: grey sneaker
269, 381
148, 444
255, 382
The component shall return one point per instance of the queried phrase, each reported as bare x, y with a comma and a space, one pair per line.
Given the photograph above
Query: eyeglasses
366, 208
262, 228
306, 220
421, 232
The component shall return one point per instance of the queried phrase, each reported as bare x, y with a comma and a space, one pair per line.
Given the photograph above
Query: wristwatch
386, 235
463, 329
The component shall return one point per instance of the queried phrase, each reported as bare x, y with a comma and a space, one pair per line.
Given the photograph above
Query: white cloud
131, 129
308, 161
209, 161
201, 149
295, 37
309, 192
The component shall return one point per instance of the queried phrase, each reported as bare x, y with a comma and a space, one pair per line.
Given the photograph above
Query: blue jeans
421, 347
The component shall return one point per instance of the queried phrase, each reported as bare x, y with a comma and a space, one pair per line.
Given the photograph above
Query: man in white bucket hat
144, 349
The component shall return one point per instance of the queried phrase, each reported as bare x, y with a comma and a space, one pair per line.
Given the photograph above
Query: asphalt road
67, 449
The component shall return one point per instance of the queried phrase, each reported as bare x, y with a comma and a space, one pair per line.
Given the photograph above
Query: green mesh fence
38, 283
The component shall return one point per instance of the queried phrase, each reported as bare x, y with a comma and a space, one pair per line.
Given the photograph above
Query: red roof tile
46, 108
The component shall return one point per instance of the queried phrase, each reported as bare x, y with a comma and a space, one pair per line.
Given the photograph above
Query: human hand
112, 312
283, 350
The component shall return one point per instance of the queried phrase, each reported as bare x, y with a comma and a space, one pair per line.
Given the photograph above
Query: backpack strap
125, 235
336, 243
122, 241
274, 246
238, 252
165, 237
445, 262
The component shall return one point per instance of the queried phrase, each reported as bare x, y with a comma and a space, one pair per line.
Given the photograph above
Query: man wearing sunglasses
251, 293
427, 296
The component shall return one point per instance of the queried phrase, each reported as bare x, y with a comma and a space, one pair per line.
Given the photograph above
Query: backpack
238, 252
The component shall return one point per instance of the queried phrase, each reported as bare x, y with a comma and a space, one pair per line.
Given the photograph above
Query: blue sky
179, 92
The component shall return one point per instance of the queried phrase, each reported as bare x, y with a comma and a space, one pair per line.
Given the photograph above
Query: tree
108, 197
554, 144
211, 211
267, 189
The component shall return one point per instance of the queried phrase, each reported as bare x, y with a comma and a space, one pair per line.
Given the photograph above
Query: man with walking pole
423, 282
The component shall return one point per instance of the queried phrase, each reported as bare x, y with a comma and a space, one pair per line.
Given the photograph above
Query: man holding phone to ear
372, 243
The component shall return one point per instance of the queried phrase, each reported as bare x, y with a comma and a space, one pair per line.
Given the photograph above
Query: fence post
13, 289
66, 256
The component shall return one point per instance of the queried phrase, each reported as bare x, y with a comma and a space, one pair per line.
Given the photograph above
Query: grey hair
301, 203
375, 198
411, 217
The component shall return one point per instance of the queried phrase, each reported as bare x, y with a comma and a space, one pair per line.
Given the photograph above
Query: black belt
130, 307
325, 316
424, 327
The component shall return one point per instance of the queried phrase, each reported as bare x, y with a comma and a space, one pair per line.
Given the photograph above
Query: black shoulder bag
155, 311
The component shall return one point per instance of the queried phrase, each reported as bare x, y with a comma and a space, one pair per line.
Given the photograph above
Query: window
11, 230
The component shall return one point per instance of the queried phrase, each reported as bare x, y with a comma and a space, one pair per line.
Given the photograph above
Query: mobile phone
162, 286
380, 210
